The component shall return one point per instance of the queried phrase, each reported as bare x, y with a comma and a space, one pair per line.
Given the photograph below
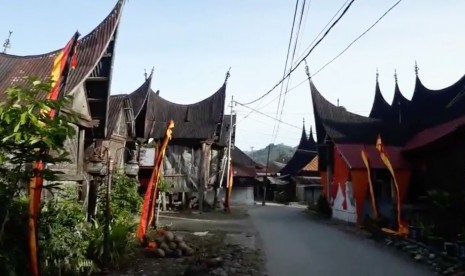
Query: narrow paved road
297, 246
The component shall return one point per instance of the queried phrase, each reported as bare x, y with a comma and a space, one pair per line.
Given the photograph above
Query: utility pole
265, 182
228, 168
7, 44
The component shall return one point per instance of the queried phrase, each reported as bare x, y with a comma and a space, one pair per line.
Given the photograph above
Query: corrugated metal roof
352, 154
90, 49
433, 134
312, 166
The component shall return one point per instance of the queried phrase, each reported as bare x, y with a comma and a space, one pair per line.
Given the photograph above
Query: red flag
59, 76
147, 214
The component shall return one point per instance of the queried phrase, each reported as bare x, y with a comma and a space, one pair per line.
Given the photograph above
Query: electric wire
305, 24
287, 60
324, 28
268, 116
252, 110
338, 55
306, 55
292, 60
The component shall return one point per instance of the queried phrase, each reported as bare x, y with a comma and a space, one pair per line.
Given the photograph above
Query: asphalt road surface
296, 245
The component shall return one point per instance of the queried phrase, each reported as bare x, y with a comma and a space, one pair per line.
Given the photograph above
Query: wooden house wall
182, 166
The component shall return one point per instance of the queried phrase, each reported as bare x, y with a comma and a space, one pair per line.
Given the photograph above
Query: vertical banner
403, 230
370, 183
62, 64
148, 210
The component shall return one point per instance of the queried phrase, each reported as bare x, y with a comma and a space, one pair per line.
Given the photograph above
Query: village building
89, 84
301, 177
192, 160
423, 138
245, 172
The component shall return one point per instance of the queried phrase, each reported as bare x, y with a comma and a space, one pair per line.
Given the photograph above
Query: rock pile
167, 244
438, 261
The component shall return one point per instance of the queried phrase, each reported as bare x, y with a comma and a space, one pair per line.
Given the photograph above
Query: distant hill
279, 153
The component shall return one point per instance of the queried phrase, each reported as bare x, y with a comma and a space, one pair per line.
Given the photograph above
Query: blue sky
191, 44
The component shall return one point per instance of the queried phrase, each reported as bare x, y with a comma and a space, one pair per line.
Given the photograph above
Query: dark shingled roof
140, 95
115, 106
380, 107
305, 152
239, 158
346, 127
243, 165
193, 121
89, 50
224, 136
397, 123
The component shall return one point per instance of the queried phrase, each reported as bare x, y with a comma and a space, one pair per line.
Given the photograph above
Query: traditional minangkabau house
193, 157
89, 84
422, 137
296, 173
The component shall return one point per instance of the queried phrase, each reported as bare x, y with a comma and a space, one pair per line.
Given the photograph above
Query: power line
360, 36
292, 60
305, 20
322, 30
338, 55
302, 60
266, 115
287, 59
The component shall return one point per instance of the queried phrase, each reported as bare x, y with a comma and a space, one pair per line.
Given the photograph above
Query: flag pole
228, 168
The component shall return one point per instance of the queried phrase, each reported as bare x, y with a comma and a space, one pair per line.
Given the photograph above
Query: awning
351, 153
433, 134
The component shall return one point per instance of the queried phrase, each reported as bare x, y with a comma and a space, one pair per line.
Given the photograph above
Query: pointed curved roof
343, 126
380, 107
116, 104
311, 142
139, 96
305, 152
199, 120
90, 49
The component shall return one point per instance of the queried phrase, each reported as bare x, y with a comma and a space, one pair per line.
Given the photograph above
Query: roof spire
395, 75
303, 120
377, 75
145, 74
337, 101
7, 44
307, 71
416, 68
228, 74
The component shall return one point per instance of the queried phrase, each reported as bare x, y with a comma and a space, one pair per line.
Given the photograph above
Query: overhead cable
302, 60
